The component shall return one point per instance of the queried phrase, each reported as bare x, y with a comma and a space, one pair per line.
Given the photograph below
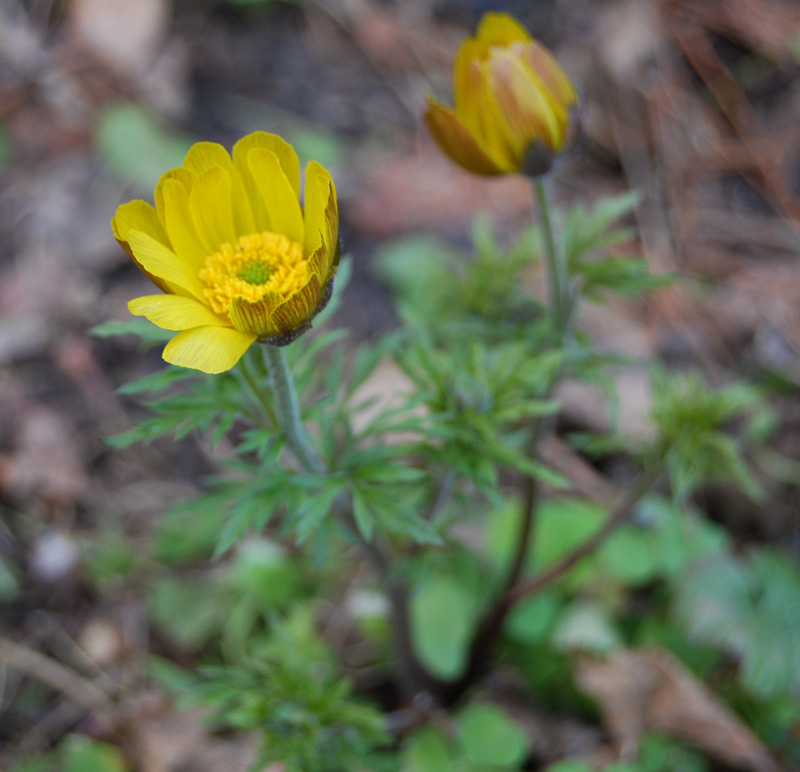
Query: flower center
252, 267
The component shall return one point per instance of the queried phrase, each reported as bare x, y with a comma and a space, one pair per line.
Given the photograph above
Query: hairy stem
258, 392
413, 679
556, 262
288, 410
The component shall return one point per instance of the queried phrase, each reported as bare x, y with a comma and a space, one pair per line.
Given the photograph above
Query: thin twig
81, 691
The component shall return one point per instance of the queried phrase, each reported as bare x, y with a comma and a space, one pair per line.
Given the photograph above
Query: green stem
413, 678
258, 391
288, 410
556, 262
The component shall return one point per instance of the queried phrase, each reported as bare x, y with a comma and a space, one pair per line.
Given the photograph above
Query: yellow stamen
256, 264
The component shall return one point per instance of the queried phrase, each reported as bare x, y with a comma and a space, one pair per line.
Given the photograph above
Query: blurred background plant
157, 608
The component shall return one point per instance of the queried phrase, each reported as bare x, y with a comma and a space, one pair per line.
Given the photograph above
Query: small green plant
437, 498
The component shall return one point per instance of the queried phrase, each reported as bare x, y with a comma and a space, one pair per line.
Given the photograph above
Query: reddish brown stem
489, 630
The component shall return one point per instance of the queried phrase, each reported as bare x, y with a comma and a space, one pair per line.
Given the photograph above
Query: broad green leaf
570, 766
532, 619
426, 751
80, 754
442, 618
488, 735
586, 627
629, 555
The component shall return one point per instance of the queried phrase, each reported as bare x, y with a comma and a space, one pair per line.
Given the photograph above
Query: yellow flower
513, 103
228, 243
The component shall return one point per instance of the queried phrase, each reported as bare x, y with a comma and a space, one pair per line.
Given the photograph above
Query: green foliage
76, 753
589, 235
208, 405
488, 736
80, 754
443, 614
454, 295
484, 738
691, 421
139, 328
476, 400
747, 607
289, 690
424, 482
110, 558
9, 582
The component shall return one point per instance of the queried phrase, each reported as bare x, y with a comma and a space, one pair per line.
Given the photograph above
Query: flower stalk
556, 263
288, 411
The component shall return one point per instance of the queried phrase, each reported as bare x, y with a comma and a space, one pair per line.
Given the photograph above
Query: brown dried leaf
181, 742
648, 689
123, 34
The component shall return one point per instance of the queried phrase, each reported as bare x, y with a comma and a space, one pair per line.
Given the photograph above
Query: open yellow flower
231, 248
513, 103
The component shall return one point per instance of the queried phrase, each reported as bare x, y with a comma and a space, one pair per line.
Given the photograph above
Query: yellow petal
554, 79
458, 142
500, 29
174, 312
321, 210
287, 156
280, 199
184, 176
255, 317
468, 82
163, 263
527, 114
243, 220
298, 307
211, 205
210, 349
139, 216
203, 155
177, 217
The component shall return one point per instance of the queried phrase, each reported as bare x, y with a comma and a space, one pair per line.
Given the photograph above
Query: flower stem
258, 392
556, 262
288, 410
413, 678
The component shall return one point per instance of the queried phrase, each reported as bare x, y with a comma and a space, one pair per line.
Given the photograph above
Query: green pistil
255, 272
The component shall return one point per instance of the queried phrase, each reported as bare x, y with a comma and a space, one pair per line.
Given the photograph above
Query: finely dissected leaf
692, 422
140, 328
442, 617
263, 572
288, 690
169, 604
490, 736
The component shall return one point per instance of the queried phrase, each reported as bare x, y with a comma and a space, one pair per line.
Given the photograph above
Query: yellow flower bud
514, 105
